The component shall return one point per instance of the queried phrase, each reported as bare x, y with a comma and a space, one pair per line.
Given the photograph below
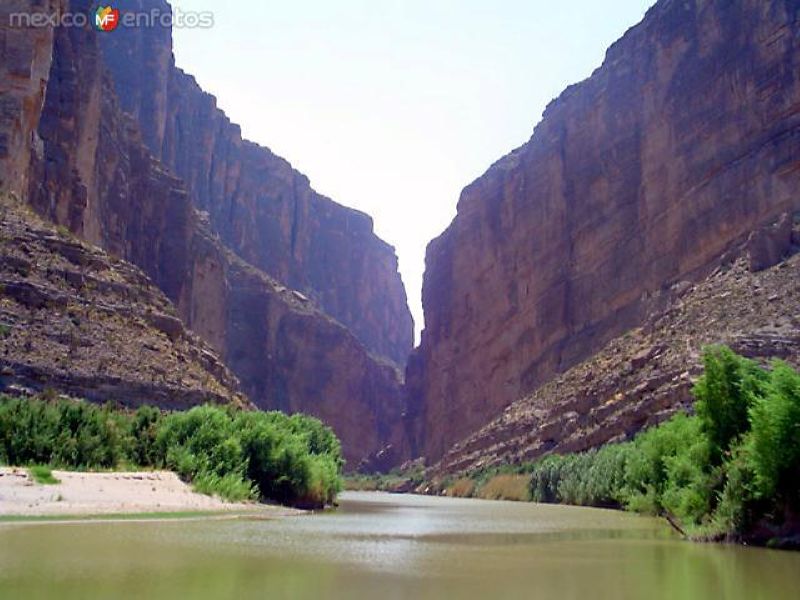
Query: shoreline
105, 496
162, 517
786, 539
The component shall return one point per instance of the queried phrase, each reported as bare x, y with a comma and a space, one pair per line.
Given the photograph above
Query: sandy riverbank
112, 493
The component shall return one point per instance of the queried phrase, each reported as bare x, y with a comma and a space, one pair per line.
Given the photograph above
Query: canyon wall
86, 167
686, 139
646, 375
25, 55
261, 207
76, 321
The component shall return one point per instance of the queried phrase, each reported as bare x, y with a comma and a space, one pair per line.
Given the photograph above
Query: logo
106, 18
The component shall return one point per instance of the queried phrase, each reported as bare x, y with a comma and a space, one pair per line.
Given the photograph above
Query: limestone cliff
684, 141
79, 322
24, 69
646, 375
261, 207
88, 169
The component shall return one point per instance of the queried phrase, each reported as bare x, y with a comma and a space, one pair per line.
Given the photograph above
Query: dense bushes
595, 478
668, 469
63, 434
724, 394
664, 469
238, 455
774, 440
735, 463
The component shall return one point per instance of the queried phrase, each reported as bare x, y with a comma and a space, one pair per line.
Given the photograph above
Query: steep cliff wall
686, 139
260, 206
90, 171
646, 375
25, 56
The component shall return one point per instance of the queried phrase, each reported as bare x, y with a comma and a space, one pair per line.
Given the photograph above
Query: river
388, 546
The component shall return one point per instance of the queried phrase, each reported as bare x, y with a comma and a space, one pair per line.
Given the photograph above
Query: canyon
655, 209
262, 209
648, 173
80, 161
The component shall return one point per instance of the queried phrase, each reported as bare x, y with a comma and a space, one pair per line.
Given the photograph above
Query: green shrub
737, 462
606, 484
724, 393
61, 433
145, 425
319, 438
292, 460
594, 478
737, 509
545, 478
231, 487
665, 468
775, 436
325, 482
27, 432
43, 475
236, 455
275, 458
200, 441
668, 468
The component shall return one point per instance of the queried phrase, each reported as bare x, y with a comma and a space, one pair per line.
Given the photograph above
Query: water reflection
389, 547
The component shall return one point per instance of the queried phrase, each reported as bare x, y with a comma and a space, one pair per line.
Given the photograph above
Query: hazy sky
394, 106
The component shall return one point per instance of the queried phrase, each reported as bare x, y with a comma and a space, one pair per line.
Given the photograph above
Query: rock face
682, 143
25, 56
90, 171
291, 356
645, 376
76, 321
261, 207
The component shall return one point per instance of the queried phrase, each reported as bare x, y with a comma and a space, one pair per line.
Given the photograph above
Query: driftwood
673, 521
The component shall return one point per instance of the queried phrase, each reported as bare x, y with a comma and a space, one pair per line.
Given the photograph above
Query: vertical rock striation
25, 55
84, 164
261, 207
683, 142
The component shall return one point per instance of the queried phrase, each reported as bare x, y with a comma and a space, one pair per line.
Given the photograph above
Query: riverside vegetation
237, 455
730, 471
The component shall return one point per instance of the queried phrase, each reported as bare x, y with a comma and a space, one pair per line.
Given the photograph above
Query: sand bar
112, 493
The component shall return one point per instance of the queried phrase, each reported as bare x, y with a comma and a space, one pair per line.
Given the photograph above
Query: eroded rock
684, 142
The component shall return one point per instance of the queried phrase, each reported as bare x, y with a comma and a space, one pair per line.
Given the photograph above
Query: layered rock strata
681, 144
645, 376
262, 208
89, 170
79, 322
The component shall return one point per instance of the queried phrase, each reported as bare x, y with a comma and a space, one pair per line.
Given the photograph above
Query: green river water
384, 546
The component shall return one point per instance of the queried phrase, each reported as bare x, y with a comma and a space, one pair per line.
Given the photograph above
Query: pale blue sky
394, 106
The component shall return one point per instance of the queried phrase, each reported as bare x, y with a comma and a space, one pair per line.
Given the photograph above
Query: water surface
383, 546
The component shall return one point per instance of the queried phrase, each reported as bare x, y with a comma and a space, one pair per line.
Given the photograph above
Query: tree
775, 436
724, 394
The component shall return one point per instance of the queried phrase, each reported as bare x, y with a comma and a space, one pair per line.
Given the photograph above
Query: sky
394, 106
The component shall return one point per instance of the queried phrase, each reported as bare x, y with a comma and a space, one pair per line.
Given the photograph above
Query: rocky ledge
79, 322
646, 375
684, 142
